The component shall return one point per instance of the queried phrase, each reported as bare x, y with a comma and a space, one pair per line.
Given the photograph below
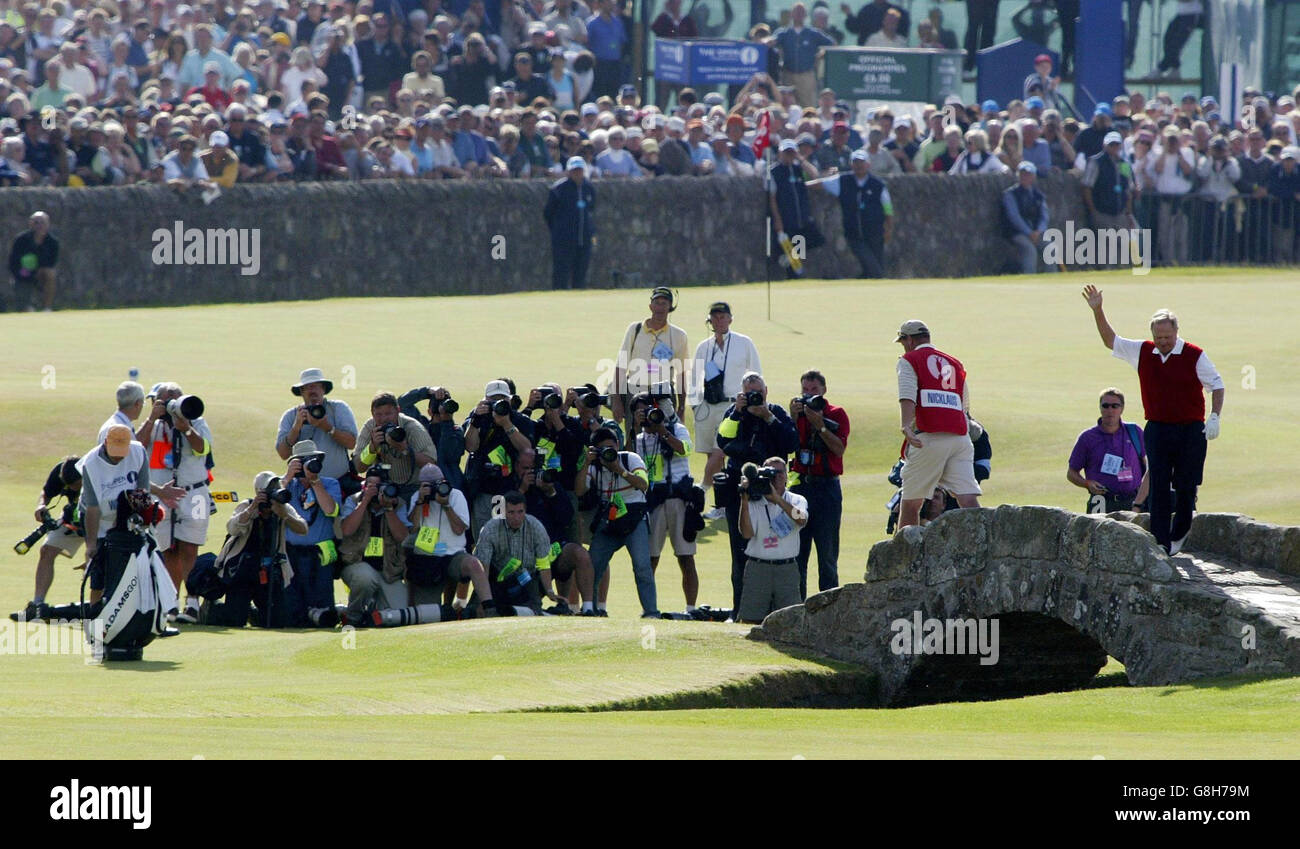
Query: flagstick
767, 259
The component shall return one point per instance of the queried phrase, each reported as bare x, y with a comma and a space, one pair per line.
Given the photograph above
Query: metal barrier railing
1241, 230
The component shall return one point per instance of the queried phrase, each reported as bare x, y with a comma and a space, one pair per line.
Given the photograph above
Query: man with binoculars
179, 446
325, 421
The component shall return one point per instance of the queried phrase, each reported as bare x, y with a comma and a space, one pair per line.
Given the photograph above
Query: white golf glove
1212, 426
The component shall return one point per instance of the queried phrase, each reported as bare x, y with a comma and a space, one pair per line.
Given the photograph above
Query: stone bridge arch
1066, 590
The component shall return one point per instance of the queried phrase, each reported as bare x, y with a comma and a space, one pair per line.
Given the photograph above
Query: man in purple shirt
1109, 459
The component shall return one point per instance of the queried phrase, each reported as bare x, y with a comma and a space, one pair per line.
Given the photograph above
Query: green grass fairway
1035, 365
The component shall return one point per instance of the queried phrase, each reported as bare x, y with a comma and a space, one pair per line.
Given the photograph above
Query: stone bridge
1065, 590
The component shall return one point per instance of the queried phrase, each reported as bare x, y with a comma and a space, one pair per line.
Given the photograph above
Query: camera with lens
608, 454
428, 490
502, 407
311, 463
760, 480
275, 491
48, 523
654, 417
393, 433
754, 398
548, 475
190, 407
549, 399
447, 406
593, 400
316, 411
816, 403
387, 488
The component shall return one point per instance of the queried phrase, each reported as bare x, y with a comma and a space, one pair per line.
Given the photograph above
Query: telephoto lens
552, 401
449, 407
276, 491
316, 411
389, 490
549, 476
314, 464
395, 433
608, 454
655, 416
816, 403
592, 401
501, 407
443, 488
754, 399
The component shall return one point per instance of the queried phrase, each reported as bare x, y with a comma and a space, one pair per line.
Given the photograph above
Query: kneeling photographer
435, 550
252, 568
309, 598
823, 430
372, 527
399, 442
751, 431
447, 437
664, 444
516, 552
548, 502
495, 434
770, 523
614, 486
63, 535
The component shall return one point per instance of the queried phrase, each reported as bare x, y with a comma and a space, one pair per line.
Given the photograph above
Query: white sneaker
1177, 545
715, 513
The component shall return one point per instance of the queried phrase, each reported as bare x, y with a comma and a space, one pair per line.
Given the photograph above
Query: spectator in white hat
219, 161
1025, 213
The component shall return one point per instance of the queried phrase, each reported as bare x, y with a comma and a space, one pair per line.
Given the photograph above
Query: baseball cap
788, 144
719, 306
1209, 100
911, 327
1112, 138
219, 139
211, 68
263, 480
1041, 57
860, 155
1218, 141
953, 100
649, 146
1026, 165
1102, 109
989, 106
626, 89
1035, 102
1189, 96
117, 442
575, 163
806, 138
1288, 152
590, 109
664, 292
500, 387
677, 125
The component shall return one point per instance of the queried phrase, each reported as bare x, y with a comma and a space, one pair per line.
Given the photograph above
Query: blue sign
700, 62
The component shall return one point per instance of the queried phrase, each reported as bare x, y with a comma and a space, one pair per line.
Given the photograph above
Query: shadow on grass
141, 665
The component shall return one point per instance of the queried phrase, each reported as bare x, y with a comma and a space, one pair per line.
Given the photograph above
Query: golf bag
138, 592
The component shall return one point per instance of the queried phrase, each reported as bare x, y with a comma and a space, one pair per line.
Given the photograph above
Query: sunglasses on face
1110, 406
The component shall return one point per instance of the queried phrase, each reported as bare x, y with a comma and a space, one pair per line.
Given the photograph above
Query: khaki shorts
668, 520
191, 520
768, 588
707, 419
944, 460
67, 542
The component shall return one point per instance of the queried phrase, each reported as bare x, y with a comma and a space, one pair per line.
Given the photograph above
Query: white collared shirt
117, 418
1130, 351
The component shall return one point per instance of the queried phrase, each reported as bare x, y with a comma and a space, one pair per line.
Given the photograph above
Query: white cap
219, 139
860, 155
1026, 165
574, 163
1291, 152
788, 144
677, 125
496, 387
1112, 138
590, 109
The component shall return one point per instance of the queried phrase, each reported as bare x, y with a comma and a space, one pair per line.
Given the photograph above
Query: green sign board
872, 73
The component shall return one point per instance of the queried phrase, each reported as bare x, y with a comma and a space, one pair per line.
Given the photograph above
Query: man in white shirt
436, 552
75, 76
1171, 169
771, 523
721, 362
130, 403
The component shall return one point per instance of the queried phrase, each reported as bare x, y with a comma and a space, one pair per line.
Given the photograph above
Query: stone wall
421, 238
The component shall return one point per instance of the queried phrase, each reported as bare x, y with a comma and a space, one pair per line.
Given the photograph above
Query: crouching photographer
664, 445
515, 551
309, 598
63, 535
252, 568
769, 521
823, 430
436, 555
614, 487
548, 502
495, 434
372, 528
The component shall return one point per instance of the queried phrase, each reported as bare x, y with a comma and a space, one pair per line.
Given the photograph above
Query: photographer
64, 538
252, 567
664, 445
447, 437
515, 551
769, 522
553, 506
561, 442
751, 431
495, 434
372, 529
823, 430
617, 482
327, 422
1109, 460
435, 551
181, 450
391, 439
309, 598
721, 362
652, 358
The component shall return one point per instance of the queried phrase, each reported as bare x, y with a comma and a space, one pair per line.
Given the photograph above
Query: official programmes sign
906, 74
